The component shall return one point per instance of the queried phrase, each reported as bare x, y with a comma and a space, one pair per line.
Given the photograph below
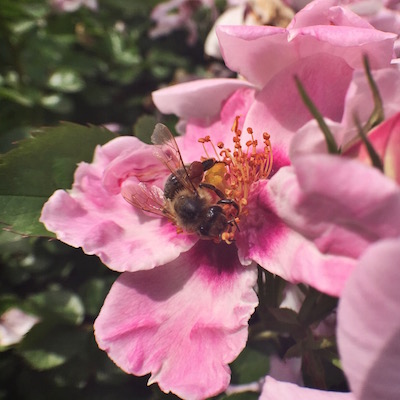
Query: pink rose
368, 332
183, 304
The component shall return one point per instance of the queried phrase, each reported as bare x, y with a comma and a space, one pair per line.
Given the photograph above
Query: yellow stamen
241, 169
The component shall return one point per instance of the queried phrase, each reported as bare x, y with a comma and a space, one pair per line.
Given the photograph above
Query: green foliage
30, 173
250, 366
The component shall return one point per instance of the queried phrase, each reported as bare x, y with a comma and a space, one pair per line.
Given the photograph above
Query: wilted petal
369, 327
183, 322
274, 390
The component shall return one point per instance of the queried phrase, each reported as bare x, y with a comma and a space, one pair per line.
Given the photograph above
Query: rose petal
183, 322
256, 52
274, 390
343, 205
104, 223
197, 99
359, 99
282, 112
265, 239
14, 324
220, 130
369, 327
327, 12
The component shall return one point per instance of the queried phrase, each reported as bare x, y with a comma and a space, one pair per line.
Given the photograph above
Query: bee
192, 205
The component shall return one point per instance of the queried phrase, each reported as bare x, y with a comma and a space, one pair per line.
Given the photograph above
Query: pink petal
182, 322
14, 324
282, 112
104, 223
385, 139
258, 52
274, 390
343, 205
197, 99
369, 327
220, 130
327, 12
359, 99
265, 239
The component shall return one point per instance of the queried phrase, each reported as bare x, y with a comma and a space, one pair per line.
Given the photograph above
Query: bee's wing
147, 198
167, 150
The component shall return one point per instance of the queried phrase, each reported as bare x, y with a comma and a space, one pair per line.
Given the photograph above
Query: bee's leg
218, 192
230, 202
221, 195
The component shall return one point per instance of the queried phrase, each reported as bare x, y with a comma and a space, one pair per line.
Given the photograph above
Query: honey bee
191, 204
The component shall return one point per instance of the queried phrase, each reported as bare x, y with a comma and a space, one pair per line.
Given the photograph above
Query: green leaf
329, 138
144, 128
46, 347
373, 155
57, 103
377, 115
58, 304
30, 173
250, 366
93, 294
66, 80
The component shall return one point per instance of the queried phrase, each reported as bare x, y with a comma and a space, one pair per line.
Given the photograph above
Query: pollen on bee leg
227, 237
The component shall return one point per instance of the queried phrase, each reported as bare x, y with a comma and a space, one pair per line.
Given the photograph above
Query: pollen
238, 167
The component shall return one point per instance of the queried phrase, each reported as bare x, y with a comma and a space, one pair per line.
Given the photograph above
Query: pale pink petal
220, 130
258, 52
343, 205
347, 42
359, 99
369, 327
182, 322
104, 223
267, 240
327, 12
14, 324
231, 16
309, 139
197, 99
275, 390
282, 112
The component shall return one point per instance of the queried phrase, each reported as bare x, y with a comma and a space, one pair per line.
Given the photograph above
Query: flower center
236, 170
